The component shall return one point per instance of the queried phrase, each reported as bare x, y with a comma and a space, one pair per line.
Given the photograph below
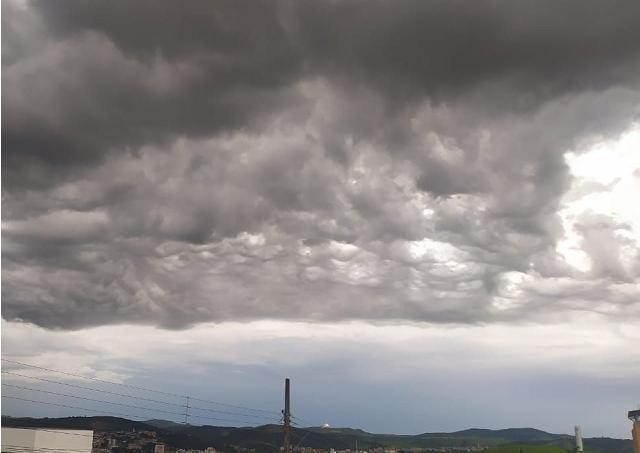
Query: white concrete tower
578, 439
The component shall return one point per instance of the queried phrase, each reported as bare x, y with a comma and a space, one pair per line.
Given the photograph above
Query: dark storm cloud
439, 48
104, 75
86, 89
173, 163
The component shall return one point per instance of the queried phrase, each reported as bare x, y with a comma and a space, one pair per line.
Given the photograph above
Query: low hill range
268, 438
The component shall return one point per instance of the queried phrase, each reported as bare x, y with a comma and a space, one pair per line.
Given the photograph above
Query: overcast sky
425, 213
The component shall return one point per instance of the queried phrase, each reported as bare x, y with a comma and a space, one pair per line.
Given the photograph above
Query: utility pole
287, 417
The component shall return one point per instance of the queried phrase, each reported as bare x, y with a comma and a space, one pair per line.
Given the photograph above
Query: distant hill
512, 434
608, 445
526, 448
165, 424
94, 423
268, 438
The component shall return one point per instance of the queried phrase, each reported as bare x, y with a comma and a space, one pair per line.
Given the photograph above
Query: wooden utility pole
287, 417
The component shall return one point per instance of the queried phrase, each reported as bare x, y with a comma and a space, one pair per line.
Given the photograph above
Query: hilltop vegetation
526, 448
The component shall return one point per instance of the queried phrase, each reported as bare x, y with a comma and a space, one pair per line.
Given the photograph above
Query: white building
26, 440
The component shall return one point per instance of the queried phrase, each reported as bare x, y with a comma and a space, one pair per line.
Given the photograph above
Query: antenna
287, 417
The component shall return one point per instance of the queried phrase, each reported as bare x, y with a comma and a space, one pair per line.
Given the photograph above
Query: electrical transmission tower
286, 416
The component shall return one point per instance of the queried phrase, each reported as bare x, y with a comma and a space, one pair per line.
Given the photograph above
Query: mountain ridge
268, 438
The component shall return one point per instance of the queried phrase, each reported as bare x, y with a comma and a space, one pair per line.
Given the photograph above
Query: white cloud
596, 348
606, 181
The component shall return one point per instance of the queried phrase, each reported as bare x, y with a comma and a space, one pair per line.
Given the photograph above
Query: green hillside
533, 448
526, 448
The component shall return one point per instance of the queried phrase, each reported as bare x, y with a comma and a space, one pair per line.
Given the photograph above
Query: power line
20, 449
51, 431
234, 406
181, 414
302, 439
310, 423
140, 388
93, 399
94, 379
24, 448
262, 417
92, 389
69, 406
311, 431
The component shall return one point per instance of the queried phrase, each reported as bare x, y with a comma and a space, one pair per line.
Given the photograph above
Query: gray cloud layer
175, 163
